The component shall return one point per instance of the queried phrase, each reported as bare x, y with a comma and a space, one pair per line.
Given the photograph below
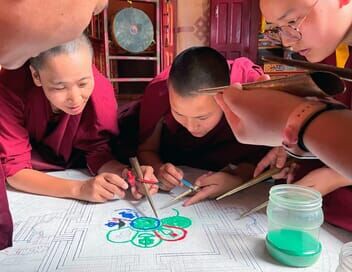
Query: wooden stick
265, 175
137, 168
210, 91
182, 195
255, 209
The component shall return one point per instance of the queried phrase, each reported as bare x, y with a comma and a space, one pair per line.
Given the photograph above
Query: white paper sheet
53, 234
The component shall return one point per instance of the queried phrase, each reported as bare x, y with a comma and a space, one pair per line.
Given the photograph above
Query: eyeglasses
288, 32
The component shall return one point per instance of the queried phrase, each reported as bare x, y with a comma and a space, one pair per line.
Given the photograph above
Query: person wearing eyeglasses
314, 29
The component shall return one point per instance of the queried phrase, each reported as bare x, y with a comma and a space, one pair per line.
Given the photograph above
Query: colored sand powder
146, 232
293, 247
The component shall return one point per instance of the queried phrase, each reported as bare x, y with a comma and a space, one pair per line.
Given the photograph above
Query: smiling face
67, 80
26, 29
198, 114
323, 24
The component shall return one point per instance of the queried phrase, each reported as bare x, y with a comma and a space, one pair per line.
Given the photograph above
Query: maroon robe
6, 226
26, 121
212, 151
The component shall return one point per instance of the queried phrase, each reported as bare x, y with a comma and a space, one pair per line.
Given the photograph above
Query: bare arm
259, 117
325, 180
329, 138
36, 182
105, 186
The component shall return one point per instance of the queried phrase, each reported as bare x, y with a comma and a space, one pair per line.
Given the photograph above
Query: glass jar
294, 219
345, 258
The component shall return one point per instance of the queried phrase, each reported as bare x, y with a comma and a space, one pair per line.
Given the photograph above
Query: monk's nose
74, 96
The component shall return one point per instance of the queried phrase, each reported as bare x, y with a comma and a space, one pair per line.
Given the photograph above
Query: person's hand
148, 174
257, 116
324, 180
212, 185
277, 157
101, 188
169, 176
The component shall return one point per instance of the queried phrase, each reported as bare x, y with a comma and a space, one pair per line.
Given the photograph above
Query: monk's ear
344, 3
35, 76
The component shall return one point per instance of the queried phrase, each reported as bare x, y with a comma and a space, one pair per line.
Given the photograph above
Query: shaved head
28, 27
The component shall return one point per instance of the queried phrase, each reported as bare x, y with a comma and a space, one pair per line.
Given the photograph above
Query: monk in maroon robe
62, 108
178, 128
5, 216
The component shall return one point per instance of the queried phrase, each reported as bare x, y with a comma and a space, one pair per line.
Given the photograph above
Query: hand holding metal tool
319, 84
137, 168
265, 175
131, 179
344, 73
187, 183
191, 189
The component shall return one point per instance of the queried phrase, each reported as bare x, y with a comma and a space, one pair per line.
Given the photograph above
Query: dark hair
196, 68
66, 48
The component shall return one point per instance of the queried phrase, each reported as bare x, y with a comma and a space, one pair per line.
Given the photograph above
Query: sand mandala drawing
145, 232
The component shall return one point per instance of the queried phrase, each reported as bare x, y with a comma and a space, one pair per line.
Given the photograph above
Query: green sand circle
177, 221
145, 223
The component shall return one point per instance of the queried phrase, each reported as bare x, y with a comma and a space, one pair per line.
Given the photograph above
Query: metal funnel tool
319, 84
344, 73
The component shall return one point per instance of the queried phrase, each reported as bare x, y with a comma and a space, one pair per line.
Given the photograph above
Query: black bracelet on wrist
329, 107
